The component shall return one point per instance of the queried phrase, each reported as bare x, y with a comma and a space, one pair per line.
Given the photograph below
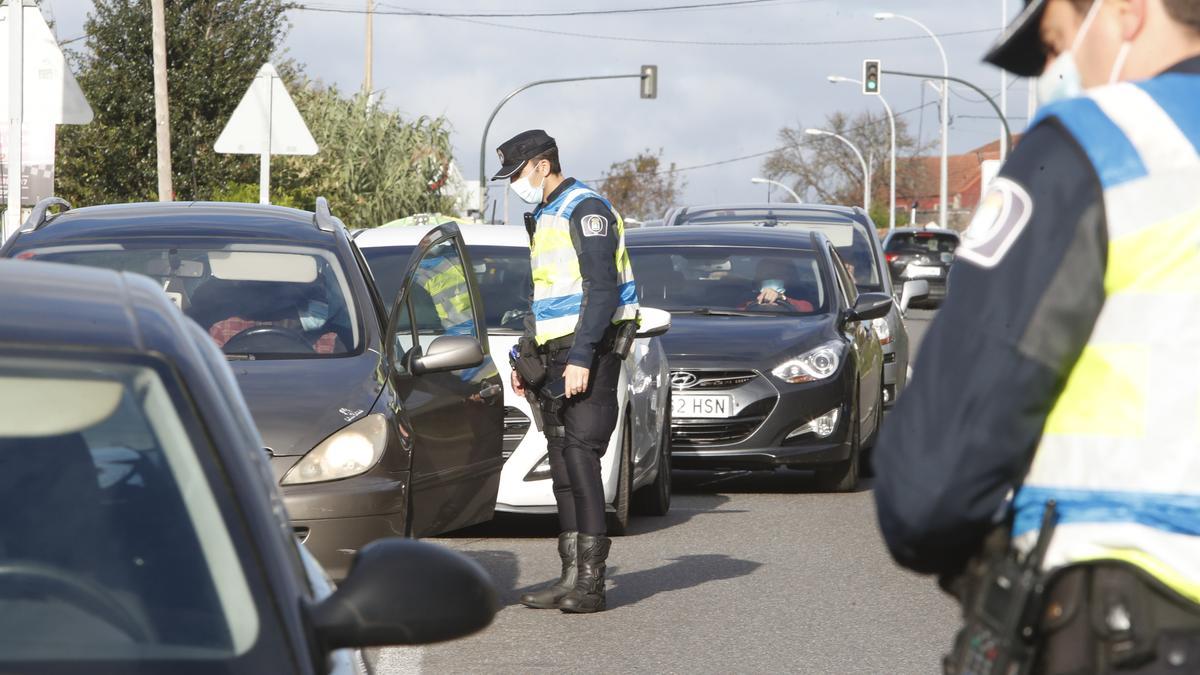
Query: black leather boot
548, 597
588, 594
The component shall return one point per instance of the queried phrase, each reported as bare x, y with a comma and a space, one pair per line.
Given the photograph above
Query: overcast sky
714, 102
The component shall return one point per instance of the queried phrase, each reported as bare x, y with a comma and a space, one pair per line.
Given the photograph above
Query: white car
636, 466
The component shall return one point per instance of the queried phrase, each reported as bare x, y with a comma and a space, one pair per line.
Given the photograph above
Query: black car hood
753, 339
297, 403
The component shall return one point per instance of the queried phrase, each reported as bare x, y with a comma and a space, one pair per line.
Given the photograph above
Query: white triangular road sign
266, 121
51, 94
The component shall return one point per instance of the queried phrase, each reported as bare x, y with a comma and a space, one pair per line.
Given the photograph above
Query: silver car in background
853, 234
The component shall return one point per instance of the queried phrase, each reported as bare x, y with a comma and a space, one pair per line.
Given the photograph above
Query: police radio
1002, 617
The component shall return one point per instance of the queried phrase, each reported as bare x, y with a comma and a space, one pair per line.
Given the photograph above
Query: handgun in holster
1002, 610
531, 366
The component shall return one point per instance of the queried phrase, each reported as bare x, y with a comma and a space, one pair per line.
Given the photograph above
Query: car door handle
491, 391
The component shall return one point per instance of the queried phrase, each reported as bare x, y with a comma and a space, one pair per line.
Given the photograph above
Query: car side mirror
448, 352
654, 322
870, 306
915, 289
405, 592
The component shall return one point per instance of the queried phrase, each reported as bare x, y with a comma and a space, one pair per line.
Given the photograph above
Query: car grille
702, 433
709, 380
516, 425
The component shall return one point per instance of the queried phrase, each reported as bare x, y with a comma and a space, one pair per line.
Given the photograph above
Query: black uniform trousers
577, 436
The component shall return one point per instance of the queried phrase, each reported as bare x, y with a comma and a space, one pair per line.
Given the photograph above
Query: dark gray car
368, 436
853, 234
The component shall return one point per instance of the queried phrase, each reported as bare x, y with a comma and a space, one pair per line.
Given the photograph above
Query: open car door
449, 387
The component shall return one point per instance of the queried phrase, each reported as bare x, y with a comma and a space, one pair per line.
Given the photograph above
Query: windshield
850, 237
729, 280
502, 272
922, 242
112, 541
254, 301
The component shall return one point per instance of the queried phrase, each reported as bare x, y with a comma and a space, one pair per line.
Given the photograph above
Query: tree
832, 170
214, 48
640, 188
373, 165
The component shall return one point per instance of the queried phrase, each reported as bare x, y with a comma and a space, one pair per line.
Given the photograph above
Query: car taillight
891, 257
26, 255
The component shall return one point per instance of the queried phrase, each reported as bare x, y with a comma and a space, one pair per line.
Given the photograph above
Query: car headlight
883, 330
540, 471
818, 364
821, 427
349, 452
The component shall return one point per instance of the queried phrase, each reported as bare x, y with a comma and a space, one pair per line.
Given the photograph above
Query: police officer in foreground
583, 314
1045, 460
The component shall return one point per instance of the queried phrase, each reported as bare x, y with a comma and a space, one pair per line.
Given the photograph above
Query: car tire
618, 519
655, 498
866, 467
843, 477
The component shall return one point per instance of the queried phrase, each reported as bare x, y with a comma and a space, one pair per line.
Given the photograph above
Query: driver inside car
300, 312
773, 285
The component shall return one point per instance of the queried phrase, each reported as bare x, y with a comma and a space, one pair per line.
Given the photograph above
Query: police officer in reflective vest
1062, 368
583, 296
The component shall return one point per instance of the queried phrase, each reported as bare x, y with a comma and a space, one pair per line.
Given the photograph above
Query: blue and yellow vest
557, 282
1120, 451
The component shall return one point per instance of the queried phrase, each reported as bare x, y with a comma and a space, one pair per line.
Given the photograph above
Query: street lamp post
768, 181
945, 179
488, 126
892, 120
861, 159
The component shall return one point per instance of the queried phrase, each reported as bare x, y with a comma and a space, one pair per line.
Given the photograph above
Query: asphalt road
749, 573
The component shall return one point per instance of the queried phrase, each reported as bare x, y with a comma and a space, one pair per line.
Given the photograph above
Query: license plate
918, 272
704, 407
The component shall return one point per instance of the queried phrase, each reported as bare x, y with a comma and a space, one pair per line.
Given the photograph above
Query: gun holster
622, 342
529, 363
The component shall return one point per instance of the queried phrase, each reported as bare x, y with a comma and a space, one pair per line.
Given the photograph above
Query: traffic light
649, 81
871, 70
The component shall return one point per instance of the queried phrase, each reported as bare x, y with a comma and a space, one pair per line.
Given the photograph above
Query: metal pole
776, 183
369, 61
264, 161
857, 153
16, 52
162, 115
965, 83
488, 126
1003, 86
892, 122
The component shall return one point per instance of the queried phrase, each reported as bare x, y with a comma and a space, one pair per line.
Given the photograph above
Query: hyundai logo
683, 380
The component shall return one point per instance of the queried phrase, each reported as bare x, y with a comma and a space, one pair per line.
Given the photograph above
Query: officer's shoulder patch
1001, 217
594, 226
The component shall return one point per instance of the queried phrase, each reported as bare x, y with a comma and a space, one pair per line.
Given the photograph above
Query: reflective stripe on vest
444, 281
557, 281
1120, 451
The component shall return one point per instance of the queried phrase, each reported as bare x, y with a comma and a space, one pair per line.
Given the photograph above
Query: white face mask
527, 191
316, 316
1062, 79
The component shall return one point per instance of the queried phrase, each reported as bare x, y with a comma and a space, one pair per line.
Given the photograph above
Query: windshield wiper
239, 357
705, 311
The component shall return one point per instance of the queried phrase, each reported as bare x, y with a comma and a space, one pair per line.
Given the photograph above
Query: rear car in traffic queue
757, 384
852, 233
636, 466
922, 254
141, 529
364, 446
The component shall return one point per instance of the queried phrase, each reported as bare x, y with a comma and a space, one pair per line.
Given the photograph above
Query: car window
852, 238
441, 295
111, 537
848, 290
922, 242
501, 272
405, 339
693, 278
254, 301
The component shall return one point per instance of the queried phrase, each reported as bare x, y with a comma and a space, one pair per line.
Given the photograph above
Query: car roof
221, 220
722, 235
474, 234
827, 212
85, 307
912, 230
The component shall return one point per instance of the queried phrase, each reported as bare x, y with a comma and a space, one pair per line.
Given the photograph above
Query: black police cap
520, 149
1019, 49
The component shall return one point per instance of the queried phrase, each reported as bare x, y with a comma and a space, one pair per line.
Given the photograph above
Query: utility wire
404, 11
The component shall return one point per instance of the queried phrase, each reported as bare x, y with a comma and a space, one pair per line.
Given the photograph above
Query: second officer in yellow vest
583, 298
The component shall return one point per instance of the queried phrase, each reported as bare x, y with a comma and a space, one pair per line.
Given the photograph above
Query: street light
865, 168
945, 180
768, 181
892, 119
648, 89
